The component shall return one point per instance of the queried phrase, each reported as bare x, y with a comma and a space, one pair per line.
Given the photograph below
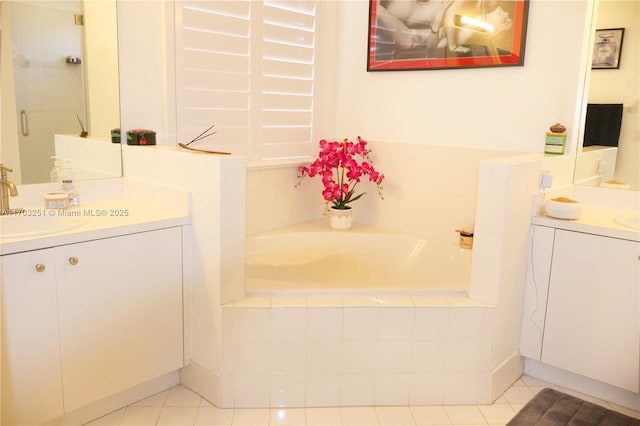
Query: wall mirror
599, 164
60, 59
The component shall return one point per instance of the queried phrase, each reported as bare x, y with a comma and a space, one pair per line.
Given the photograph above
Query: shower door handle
24, 123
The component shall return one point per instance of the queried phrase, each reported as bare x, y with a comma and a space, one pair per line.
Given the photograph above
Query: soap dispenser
54, 174
67, 183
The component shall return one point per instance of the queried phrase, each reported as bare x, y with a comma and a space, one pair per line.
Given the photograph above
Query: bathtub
365, 261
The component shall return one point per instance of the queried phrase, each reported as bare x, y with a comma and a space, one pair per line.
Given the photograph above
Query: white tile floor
179, 406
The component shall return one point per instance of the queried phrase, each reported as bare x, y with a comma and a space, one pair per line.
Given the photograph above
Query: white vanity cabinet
582, 307
101, 317
592, 325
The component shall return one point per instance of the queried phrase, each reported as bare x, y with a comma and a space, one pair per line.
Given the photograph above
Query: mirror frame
584, 79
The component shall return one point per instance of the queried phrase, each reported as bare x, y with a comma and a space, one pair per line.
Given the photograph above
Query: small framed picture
607, 48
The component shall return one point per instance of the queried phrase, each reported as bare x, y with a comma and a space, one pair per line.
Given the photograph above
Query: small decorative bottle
67, 183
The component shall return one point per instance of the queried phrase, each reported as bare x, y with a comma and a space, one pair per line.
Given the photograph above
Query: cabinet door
31, 382
592, 326
120, 310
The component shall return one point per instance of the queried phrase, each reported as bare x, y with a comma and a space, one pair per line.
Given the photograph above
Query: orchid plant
342, 165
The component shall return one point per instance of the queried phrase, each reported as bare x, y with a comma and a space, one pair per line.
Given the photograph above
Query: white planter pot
340, 219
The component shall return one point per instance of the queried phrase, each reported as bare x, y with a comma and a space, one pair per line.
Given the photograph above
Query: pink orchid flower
342, 165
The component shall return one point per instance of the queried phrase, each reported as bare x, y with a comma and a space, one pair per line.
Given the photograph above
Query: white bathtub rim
322, 226
269, 288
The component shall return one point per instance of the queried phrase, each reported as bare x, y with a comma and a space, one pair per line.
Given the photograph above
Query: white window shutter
216, 74
249, 68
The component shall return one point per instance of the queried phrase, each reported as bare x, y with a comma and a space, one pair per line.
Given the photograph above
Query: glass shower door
47, 56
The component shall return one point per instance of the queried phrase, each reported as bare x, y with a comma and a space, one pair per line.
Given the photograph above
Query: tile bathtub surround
352, 351
410, 190
179, 406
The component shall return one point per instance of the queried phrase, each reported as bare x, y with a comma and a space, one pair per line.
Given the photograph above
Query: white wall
507, 108
146, 64
101, 63
505, 192
510, 108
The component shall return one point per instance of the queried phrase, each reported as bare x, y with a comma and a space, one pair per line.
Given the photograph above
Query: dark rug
552, 408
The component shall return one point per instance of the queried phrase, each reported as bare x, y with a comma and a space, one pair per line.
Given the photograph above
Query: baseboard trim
204, 382
566, 379
506, 374
113, 403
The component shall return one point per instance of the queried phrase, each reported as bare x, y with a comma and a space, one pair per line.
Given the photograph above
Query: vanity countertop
103, 219
594, 220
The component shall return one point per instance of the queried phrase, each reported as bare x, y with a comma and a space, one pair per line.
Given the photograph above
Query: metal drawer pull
40, 267
73, 260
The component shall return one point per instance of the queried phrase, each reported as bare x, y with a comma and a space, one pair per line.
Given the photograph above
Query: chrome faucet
7, 189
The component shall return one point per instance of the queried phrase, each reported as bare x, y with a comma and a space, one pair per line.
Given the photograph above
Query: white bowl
615, 185
563, 209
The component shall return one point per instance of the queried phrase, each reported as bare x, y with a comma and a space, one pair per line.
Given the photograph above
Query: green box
554, 143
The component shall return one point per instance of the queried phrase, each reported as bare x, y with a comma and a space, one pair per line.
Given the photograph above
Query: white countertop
594, 220
104, 219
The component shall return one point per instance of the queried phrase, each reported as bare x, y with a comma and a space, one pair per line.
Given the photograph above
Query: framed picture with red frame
446, 34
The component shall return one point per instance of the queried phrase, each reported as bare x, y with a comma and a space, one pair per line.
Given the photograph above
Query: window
249, 67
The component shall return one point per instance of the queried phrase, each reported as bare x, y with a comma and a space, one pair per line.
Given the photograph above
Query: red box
141, 137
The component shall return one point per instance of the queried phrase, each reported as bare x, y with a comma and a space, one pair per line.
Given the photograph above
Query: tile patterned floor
179, 406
